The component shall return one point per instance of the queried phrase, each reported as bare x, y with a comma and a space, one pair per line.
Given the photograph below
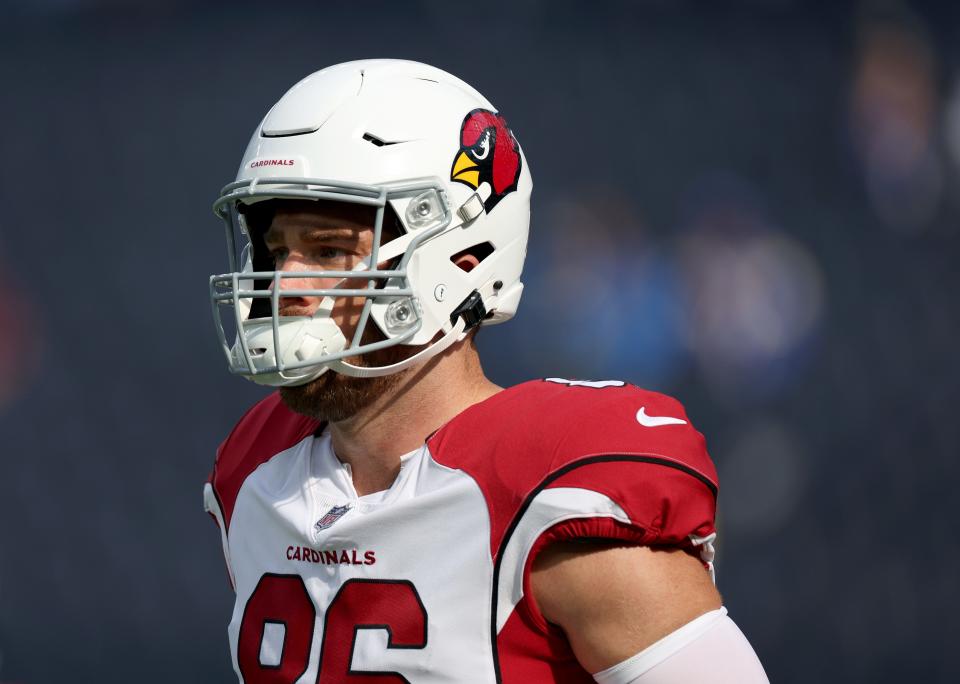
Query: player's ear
466, 262
469, 258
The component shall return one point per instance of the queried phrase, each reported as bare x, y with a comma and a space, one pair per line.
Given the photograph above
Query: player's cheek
346, 313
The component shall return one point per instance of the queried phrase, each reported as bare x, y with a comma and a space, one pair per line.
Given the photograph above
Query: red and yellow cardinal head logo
488, 154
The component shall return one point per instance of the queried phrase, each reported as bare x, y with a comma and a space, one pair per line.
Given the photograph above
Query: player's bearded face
326, 236
334, 397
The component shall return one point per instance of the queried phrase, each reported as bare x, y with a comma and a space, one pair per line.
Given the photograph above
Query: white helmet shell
422, 140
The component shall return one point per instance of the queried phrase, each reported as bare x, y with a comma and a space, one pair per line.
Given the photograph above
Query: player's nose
297, 303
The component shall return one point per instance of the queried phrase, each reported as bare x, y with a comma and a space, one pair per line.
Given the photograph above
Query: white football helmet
378, 133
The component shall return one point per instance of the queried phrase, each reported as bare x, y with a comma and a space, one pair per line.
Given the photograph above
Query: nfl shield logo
330, 517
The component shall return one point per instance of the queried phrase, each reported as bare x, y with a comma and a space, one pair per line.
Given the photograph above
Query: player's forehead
292, 216
324, 213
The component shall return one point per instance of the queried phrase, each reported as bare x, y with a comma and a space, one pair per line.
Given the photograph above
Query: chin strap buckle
471, 310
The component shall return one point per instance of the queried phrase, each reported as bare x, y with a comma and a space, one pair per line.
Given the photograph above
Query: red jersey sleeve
636, 448
557, 460
639, 450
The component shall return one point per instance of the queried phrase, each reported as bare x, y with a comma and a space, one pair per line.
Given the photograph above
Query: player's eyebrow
315, 234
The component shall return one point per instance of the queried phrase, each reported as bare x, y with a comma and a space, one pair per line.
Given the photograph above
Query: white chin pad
301, 340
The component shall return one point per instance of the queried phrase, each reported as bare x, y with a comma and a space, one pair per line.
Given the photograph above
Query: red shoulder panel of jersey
635, 446
263, 432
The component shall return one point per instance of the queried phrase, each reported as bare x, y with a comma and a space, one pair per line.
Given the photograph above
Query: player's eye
328, 253
482, 147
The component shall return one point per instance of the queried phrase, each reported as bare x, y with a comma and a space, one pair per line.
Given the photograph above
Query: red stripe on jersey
264, 431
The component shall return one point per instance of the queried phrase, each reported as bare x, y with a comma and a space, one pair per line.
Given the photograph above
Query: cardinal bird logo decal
488, 154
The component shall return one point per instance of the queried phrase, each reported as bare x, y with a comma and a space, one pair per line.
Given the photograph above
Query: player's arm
635, 614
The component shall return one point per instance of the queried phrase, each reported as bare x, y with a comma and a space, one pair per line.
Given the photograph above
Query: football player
390, 514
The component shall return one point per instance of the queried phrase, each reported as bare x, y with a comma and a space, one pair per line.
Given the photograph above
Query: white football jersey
428, 581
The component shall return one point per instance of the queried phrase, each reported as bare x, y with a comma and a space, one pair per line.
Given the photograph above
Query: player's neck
373, 440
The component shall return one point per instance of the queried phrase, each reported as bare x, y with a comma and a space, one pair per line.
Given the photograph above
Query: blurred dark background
753, 207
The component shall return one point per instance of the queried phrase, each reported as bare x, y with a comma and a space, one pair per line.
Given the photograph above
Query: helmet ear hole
470, 258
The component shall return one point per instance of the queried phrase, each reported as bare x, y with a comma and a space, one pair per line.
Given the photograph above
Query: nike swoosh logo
656, 421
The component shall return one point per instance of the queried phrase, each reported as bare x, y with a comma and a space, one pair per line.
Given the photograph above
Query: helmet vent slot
380, 142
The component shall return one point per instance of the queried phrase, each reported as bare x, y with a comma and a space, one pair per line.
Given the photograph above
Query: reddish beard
334, 397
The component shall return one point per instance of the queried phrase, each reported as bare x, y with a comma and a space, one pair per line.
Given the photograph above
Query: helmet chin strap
455, 334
